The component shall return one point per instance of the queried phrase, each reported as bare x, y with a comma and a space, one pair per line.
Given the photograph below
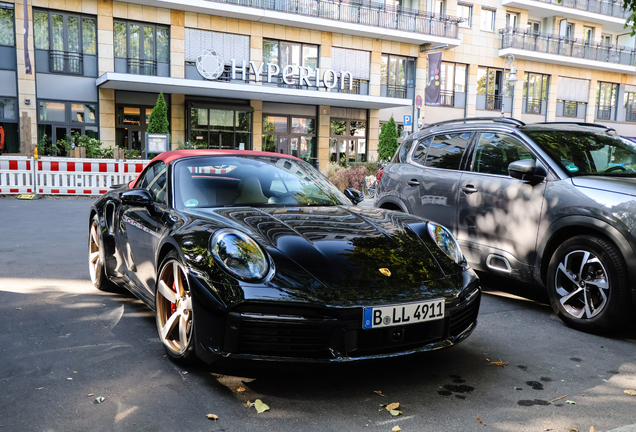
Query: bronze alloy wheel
174, 309
94, 263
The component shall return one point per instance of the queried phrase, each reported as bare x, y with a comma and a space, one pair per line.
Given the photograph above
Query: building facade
305, 77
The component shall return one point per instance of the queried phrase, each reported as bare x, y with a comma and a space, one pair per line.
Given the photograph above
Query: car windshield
257, 181
588, 153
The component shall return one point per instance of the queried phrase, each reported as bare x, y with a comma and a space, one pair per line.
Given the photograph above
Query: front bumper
287, 333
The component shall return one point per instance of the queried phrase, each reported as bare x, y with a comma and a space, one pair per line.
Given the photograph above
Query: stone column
590, 114
107, 117
177, 44
552, 98
177, 120
471, 91
257, 125
376, 68
373, 134
324, 128
26, 82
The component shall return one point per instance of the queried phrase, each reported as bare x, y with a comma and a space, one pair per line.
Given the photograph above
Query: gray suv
550, 204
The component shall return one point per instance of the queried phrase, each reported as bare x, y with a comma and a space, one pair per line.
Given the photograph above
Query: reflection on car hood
623, 185
341, 247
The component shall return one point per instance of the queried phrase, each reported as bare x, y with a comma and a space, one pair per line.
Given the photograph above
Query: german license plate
402, 314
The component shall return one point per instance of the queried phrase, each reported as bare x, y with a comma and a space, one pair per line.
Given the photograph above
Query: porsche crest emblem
385, 271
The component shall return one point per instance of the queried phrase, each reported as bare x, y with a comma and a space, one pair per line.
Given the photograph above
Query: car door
498, 215
143, 227
434, 186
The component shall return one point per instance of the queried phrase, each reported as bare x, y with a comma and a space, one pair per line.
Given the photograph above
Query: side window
494, 152
445, 151
155, 182
419, 155
404, 151
150, 174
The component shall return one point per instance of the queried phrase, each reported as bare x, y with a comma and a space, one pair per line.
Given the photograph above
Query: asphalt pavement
64, 344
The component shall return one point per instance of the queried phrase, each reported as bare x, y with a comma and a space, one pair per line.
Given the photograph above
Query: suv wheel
588, 285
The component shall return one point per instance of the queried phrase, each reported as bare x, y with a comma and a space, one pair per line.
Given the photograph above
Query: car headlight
446, 242
239, 254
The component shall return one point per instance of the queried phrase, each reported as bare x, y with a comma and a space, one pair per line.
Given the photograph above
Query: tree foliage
388, 140
159, 117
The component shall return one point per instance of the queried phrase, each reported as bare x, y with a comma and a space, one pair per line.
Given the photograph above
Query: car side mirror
137, 197
528, 170
354, 195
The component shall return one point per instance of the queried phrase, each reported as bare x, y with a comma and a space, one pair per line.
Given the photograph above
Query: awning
224, 89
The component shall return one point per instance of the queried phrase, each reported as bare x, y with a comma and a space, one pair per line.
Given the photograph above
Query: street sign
418, 101
407, 120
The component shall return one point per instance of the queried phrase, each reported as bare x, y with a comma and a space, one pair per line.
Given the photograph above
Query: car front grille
461, 319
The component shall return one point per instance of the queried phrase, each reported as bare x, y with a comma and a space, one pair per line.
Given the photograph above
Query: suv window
495, 151
444, 151
404, 151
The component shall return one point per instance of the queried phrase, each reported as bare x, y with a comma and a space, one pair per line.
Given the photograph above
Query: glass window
8, 109
534, 27
495, 152
460, 78
446, 151
132, 116
134, 41
270, 51
287, 53
41, 30
83, 113
7, 29
465, 12
302, 125
52, 112
163, 44
274, 124
398, 73
157, 186
221, 119
630, 106
119, 30
419, 155
404, 151
487, 19
152, 172
73, 34
89, 42
358, 129
512, 19
338, 127
57, 32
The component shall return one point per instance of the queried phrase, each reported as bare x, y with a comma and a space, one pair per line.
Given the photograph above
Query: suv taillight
378, 176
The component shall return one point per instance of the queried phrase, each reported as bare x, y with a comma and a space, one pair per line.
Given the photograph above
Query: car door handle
469, 189
413, 182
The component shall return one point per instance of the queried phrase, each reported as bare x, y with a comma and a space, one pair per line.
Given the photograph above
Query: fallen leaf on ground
212, 417
396, 429
574, 430
570, 402
392, 406
39, 388
630, 392
99, 399
479, 419
260, 406
18, 308
499, 363
70, 379
240, 389
378, 392
91, 394
395, 412
591, 428
248, 404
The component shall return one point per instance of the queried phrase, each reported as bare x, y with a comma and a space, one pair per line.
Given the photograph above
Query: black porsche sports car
250, 255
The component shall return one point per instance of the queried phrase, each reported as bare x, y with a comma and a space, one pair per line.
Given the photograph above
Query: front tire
173, 307
95, 263
588, 285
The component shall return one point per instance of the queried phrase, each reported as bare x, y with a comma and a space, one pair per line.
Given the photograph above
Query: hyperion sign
210, 65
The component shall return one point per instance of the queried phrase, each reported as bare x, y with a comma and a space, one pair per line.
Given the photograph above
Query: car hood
341, 247
623, 185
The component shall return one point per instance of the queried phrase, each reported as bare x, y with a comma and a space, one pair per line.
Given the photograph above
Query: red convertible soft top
170, 156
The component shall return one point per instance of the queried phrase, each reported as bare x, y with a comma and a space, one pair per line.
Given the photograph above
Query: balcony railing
570, 108
604, 112
533, 106
493, 102
613, 9
361, 12
396, 91
447, 98
630, 115
66, 62
142, 67
570, 47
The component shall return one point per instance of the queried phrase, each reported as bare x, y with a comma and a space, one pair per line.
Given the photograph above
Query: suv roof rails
596, 125
479, 119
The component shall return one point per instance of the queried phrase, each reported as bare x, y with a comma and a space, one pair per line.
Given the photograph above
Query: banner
27, 60
432, 91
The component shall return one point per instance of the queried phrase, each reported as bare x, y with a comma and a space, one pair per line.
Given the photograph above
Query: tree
159, 117
388, 140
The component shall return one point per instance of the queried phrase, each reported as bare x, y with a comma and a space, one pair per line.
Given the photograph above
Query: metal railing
396, 91
630, 115
533, 106
142, 67
66, 62
493, 102
447, 98
604, 112
570, 47
570, 108
609, 8
361, 12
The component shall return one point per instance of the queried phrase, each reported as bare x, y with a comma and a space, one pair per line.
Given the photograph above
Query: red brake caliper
173, 306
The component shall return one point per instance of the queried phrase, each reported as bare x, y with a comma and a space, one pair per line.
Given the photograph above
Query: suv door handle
469, 189
413, 182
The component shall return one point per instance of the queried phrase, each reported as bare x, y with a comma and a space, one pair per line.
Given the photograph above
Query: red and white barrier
65, 176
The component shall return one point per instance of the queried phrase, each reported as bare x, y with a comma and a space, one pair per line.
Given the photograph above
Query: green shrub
388, 140
351, 176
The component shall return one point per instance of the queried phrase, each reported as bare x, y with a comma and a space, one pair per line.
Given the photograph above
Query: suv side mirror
528, 170
354, 195
137, 197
